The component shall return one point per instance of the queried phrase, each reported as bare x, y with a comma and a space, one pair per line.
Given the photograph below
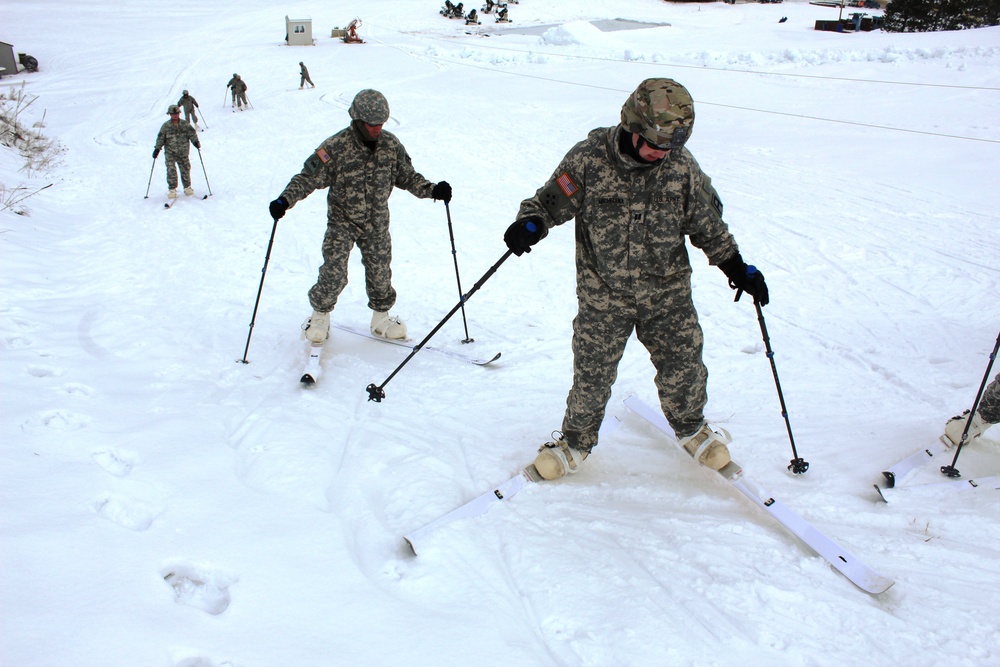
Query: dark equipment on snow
377, 392
950, 470
797, 465
29, 62
263, 272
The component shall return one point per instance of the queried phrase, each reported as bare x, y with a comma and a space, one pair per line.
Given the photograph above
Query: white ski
977, 484
313, 369
408, 344
477, 506
898, 473
860, 574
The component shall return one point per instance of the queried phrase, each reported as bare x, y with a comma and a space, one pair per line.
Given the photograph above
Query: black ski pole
377, 392
454, 255
150, 178
204, 172
951, 470
797, 465
253, 318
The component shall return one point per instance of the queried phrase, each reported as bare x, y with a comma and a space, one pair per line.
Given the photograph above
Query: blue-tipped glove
278, 208
523, 234
745, 277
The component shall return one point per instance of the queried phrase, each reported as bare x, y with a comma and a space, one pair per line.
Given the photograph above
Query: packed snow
164, 504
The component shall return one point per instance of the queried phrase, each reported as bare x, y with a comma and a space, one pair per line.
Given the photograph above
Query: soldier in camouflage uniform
304, 76
176, 135
188, 103
636, 193
238, 87
987, 414
360, 165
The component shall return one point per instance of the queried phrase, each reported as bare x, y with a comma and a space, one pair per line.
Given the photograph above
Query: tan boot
385, 326
317, 327
708, 446
557, 459
956, 426
172, 194
189, 191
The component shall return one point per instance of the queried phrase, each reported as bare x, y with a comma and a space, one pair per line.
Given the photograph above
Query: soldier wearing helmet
636, 194
176, 136
359, 166
304, 76
238, 87
188, 103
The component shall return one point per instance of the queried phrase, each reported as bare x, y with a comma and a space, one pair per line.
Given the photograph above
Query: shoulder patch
324, 157
567, 185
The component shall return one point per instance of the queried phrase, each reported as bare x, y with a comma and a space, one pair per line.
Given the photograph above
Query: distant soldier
304, 72
360, 166
238, 87
189, 104
175, 135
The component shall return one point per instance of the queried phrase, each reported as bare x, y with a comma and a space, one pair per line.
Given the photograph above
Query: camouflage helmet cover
185, 92
172, 109
661, 111
370, 106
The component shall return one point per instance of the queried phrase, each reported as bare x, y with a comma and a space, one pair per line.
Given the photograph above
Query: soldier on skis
188, 103
636, 193
987, 414
304, 76
238, 88
176, 136
360, 165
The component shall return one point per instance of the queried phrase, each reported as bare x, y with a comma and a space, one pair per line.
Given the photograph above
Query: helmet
235, 75
172, 109
661, 111
185, 92
370, 106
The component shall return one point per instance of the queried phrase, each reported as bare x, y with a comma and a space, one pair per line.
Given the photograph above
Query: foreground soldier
636, 193
360, 165
987, 414
188, 103
176, 135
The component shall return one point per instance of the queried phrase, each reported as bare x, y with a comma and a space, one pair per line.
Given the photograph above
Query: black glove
745, 278
278, 208
523, 234
442, 191
197, 145
156, 153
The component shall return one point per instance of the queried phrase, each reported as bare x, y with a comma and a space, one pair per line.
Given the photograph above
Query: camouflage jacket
187, 102
632, 218
360, 180
176, 137
238, 85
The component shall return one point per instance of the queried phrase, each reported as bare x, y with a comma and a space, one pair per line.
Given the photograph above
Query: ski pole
150, 178
797, 465
204, 172
203, 116
377, 393
253, 318
454, 255
224, 96
950, 470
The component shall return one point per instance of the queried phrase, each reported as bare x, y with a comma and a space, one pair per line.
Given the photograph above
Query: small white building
298, 32
8, 63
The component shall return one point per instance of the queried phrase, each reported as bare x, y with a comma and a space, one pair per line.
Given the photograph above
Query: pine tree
933, 15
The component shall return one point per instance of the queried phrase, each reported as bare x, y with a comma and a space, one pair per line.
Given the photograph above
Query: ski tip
890, 479
881, 495
307, 380
413, 549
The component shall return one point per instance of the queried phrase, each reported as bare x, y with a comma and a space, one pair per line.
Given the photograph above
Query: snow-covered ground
162, 504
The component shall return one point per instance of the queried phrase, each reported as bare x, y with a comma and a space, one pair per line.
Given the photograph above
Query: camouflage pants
239, 99
189, 115
304, 79
989, 404
173, 163
376, 256
666, 323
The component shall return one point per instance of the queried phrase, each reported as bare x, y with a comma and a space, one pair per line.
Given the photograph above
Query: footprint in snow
114, 461
130, 513
199, 587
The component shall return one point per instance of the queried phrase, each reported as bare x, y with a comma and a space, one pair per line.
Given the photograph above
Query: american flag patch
323, 155
567, 185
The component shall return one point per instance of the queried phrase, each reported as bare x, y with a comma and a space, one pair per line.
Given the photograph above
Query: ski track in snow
182, 508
